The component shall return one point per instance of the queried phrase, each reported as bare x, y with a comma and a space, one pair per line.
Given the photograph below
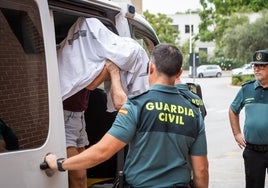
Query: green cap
260, 57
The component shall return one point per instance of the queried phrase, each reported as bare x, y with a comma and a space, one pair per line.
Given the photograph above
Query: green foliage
224, 63
208, 21
203, 57
241, 40
185, 51
216, 12
238, 80
226, 22
166, 33
162, 25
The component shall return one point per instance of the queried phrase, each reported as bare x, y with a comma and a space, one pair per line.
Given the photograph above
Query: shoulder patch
123, 111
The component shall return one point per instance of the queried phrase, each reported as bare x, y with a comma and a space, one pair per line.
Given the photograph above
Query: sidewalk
227, 171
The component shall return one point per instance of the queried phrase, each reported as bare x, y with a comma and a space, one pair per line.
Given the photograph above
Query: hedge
238, 80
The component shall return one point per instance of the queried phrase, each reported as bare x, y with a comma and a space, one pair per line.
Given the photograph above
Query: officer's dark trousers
255, 168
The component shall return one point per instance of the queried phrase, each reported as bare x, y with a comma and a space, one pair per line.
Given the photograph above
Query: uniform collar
164, 88
182, 86
257, 84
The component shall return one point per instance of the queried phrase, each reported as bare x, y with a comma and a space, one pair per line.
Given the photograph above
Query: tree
216, 13
241, 41
162, 25
234, 21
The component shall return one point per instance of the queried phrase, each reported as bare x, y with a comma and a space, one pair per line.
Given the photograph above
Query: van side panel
30, 100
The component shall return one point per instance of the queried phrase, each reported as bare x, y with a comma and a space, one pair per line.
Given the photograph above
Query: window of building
176, 27
187, 28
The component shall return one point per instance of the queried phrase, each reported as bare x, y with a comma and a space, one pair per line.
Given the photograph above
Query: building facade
188, 26
182, 22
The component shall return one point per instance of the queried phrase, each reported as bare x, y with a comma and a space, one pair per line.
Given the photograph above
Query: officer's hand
240, 140
51, 160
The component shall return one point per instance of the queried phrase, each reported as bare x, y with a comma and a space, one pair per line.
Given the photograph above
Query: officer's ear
179, 74
152, 67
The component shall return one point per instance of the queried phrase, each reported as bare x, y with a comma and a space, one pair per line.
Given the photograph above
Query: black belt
173, 186
257, 148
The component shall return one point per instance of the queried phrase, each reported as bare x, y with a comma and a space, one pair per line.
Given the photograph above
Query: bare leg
77, 178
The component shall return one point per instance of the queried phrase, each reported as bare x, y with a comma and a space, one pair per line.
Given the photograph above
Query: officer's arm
92, 156
234, 121
235, 124
200, 171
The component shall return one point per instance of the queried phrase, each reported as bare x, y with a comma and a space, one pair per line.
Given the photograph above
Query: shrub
238, 80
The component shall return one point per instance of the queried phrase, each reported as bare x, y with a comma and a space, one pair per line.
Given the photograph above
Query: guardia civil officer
254, 97
193, 97
165, 133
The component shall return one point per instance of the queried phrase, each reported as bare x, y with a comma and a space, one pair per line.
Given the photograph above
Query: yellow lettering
198, 102
149, 106
161, 116
170, 108
158, 105
171, 118
181, 120
166, 107
180, 110
191, 112
173, 108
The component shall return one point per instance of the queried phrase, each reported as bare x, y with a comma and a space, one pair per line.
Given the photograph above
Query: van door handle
44, 166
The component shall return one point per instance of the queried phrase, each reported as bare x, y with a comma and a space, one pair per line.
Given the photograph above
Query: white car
245, 69
208, 71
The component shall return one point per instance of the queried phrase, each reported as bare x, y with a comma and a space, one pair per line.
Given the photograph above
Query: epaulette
135, 96
248, 82
187, 98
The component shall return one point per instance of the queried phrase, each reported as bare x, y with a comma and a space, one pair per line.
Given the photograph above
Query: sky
170, 6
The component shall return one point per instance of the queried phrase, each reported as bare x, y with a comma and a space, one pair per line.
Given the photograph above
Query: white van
30, 98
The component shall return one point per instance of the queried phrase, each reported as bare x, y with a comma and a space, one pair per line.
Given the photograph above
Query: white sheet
83, 52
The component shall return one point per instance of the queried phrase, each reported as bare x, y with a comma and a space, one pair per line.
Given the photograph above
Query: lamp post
190, 49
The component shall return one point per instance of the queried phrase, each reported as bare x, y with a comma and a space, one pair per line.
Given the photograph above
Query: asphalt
227, 170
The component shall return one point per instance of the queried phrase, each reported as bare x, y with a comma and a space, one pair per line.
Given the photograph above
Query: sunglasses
259, 66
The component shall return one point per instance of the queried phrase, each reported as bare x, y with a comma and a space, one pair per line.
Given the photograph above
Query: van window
64, 19
23, 79
145, 37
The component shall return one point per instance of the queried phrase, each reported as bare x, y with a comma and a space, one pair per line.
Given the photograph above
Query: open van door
30, 99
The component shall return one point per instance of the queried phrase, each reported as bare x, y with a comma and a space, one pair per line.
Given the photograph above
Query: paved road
225, 157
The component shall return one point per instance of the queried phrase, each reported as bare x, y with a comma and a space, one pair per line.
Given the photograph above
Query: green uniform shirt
184, 89
254, 98
162, 128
